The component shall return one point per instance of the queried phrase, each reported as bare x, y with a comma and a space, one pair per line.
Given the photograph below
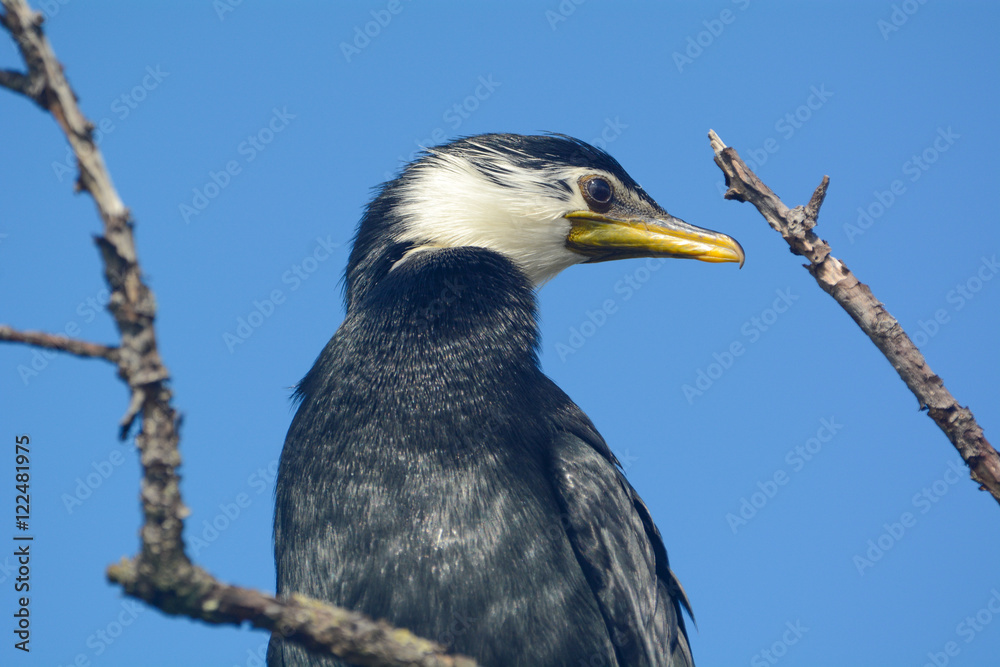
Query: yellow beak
602, 238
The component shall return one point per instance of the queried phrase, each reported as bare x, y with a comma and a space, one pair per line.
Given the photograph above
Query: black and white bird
433, 476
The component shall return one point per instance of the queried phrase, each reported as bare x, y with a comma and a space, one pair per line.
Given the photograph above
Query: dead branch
162, 574
795, 226
62, 343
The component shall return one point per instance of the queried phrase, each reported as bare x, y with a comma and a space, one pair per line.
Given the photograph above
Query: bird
433, 476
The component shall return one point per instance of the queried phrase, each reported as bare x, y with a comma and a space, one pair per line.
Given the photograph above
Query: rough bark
162, 574
796, 227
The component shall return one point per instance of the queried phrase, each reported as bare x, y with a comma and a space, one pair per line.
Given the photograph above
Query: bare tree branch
16, 81
795, 226
54, 342
161, 574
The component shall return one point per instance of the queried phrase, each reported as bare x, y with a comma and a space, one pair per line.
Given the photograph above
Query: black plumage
433, 476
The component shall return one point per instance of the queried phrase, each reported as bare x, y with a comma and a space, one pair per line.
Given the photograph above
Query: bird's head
545, 202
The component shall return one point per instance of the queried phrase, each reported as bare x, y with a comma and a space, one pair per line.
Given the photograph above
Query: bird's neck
439, 355
460, 310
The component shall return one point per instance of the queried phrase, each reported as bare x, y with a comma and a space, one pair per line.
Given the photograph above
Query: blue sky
814, 516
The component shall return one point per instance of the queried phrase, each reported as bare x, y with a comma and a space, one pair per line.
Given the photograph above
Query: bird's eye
597, 191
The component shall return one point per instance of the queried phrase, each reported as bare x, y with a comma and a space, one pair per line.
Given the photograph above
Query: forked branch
162, 574
796, 227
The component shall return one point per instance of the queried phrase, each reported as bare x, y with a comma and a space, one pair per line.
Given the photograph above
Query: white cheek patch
447, 203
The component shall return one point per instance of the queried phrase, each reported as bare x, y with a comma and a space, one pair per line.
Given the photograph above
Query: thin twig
833, 276
162, 574
55, 342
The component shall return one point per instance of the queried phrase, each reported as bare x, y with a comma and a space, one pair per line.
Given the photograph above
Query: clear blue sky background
803, 89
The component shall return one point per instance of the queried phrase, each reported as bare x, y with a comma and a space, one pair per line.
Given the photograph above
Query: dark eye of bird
598, 190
